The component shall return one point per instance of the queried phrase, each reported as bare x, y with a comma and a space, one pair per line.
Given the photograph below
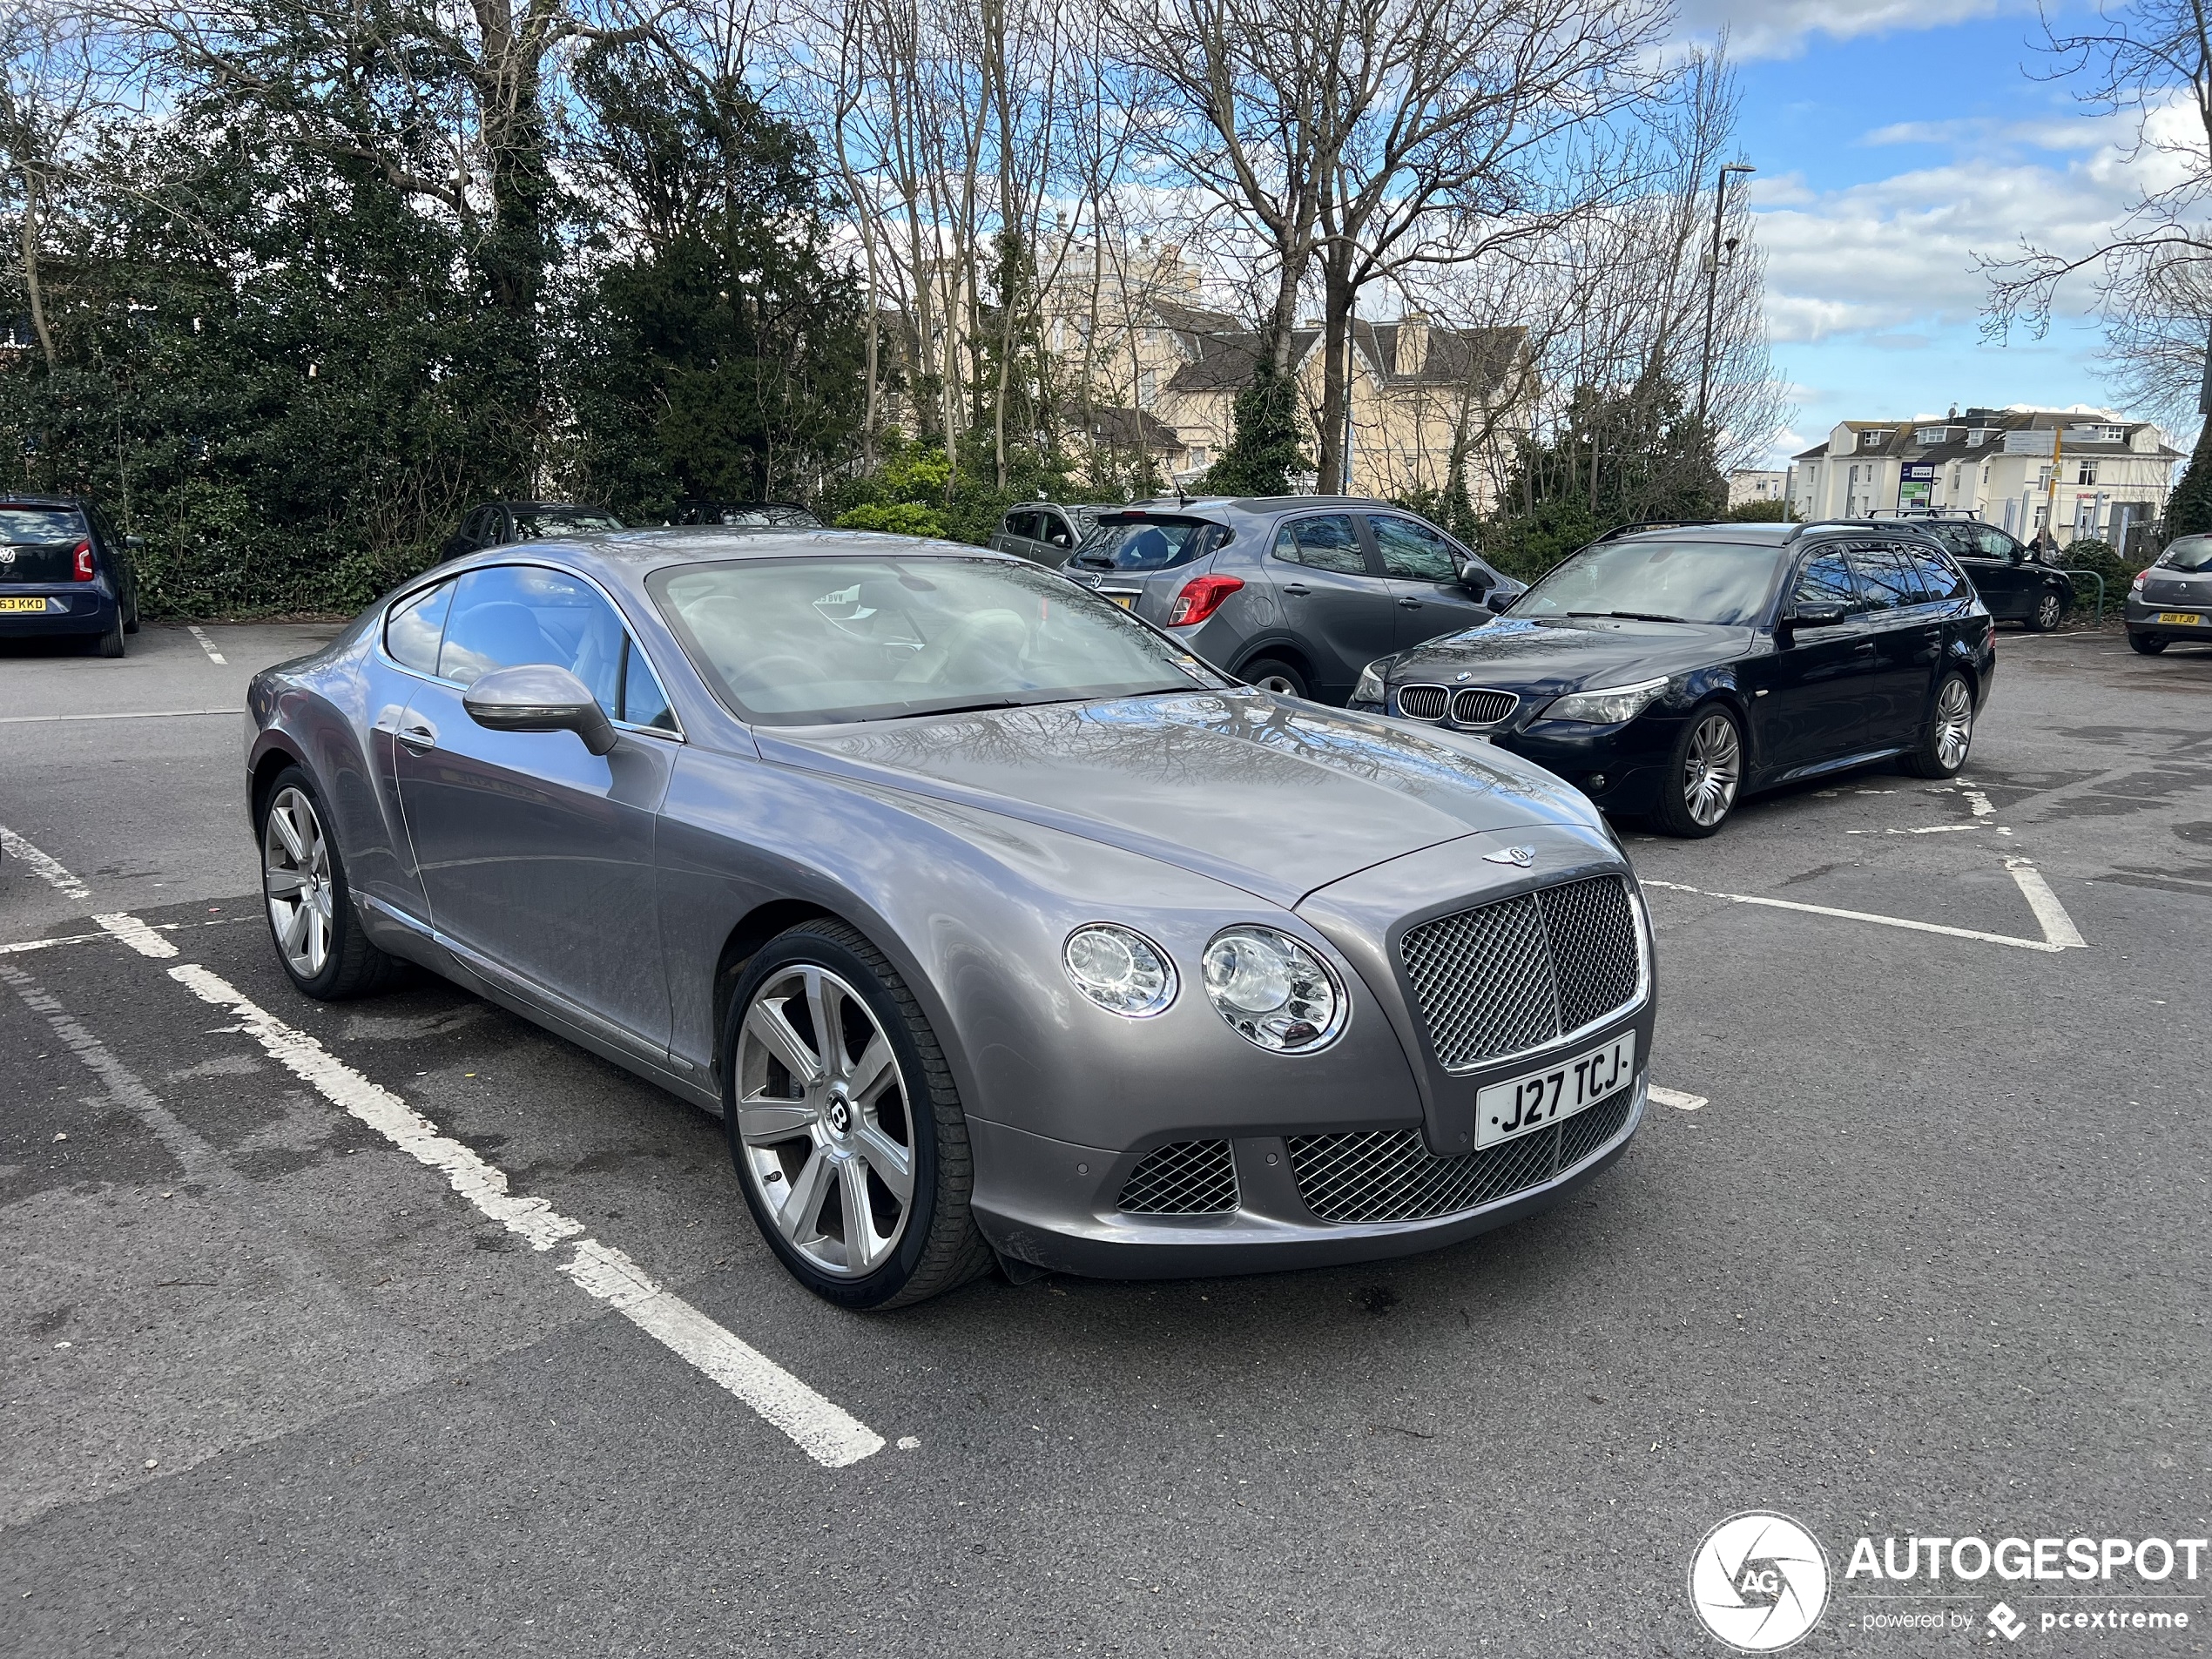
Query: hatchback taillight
1200, 598
84, 570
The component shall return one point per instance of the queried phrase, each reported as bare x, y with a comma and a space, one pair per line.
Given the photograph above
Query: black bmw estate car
1669, 672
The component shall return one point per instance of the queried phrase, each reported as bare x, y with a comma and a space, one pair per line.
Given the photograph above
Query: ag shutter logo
1759, 1582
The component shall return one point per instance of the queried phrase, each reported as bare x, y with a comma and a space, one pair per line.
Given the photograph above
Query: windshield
1725, 583
2190, 553
550, 524
805, 642
1148, 543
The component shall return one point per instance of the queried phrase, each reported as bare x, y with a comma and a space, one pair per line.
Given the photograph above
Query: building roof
1221, 352
1121, 428
1900, 440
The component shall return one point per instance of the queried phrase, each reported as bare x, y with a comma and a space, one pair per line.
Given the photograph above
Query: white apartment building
1753, 483
2028, 471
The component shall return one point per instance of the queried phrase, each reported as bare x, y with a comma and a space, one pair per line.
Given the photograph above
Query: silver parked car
988, 918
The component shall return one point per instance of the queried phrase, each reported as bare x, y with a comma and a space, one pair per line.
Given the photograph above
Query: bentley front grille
1422, 702
1389, 1175
1518, 973
1189, 1178
1478, 706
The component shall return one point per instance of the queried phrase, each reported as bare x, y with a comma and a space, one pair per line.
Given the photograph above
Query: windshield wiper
1632, 615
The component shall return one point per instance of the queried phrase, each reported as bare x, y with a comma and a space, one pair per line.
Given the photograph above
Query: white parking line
2054, 941
47, 869
1980, 802
1675, 1097
2057, 926
137, 934
826, 1433
206, 643
18, 947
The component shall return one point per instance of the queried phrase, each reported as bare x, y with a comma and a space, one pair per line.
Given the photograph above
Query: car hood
1524, 654
1275, 796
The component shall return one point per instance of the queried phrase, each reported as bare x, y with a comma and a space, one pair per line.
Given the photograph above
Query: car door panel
1335, 600
1907, 640
1423, 569
1813, 708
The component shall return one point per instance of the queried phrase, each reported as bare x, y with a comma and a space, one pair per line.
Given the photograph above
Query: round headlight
1276, 992
1122, 972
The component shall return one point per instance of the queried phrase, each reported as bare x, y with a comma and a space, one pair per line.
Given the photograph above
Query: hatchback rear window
2189, 553
21, 525
1148, 543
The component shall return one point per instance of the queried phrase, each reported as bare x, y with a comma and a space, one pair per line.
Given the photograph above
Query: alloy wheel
2047, 613
1278, 683
1714, 768
1954, 732
824, 1120
296, 875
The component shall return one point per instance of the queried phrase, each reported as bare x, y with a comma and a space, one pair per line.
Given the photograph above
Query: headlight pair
1276, 993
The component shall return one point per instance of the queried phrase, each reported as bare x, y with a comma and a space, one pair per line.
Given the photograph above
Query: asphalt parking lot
1928, 1256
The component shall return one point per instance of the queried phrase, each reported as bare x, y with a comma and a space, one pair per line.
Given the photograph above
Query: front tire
845, 1125
1704, 777
1945, 740
1273, 674
2148, 645
310, 907
2050, 610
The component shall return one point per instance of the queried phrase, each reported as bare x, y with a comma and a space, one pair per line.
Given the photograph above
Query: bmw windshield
1722, 583
805, 642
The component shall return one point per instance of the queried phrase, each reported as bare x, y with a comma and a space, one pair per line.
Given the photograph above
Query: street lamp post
1713, 282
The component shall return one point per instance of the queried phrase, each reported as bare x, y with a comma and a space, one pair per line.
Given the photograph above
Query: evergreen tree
2188, 510
1266, 443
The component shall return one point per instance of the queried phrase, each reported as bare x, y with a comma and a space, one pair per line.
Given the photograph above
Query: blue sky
1896, 139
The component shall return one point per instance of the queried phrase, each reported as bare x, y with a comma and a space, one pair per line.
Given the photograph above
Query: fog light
1597, 780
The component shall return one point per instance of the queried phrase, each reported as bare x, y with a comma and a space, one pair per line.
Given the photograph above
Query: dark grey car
1044, 532
988, 918
1296, 594
2172, 601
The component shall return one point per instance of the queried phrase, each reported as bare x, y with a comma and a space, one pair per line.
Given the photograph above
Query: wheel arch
1283, 650
753, 930
276, 754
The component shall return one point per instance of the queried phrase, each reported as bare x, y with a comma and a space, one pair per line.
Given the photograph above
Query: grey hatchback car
1296, 594
987, 918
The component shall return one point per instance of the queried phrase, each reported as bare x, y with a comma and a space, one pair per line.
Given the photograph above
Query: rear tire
1273, 674
1705, 775
2050, 610
809, 1150
130, 622
1949, 734
2148, 645
309, 906
111, 642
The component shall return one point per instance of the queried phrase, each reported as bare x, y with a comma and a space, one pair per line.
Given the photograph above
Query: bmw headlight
1611, 706
1278, 993
1372, 687
1122, 971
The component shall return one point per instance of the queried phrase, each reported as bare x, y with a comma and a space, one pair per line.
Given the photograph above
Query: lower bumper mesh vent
1389, 1175
1189, 1178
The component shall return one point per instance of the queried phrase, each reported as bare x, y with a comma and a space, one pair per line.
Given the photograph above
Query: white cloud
1780, 28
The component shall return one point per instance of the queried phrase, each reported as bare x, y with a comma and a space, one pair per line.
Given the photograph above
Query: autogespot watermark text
2153, 1561
2135, 1581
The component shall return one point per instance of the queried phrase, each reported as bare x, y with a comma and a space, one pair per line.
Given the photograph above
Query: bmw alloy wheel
295, 874
1954, 717
823, 1117
1713, 770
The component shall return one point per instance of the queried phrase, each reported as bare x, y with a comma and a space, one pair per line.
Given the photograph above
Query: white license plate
23, 604
1527, 1103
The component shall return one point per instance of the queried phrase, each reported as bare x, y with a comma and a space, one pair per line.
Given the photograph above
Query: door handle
1296, 589
420, 738
1410, 603
1865, 647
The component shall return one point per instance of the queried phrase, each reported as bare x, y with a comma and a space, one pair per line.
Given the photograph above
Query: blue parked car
65, 570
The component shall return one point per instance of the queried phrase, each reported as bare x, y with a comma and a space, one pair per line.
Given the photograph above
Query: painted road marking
1980, 802
137, 934
19, 947
206, 643
1675, 1098
825, 1432
2059, 933
132, 714
47, 869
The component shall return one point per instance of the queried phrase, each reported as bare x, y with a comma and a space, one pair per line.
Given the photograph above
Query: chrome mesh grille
1476, 706
1389, 1175
1518, 972
1189, 1178
1422, 702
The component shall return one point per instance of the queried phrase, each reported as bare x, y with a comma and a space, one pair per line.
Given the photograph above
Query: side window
1883, 579
1411, 549
508, 615
1022, 524
411, 630
1325, 542
1939, 579
1995, 545
481, 530
644, 703
1053, 529
1826, 581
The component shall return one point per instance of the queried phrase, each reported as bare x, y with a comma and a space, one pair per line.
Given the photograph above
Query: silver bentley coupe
994, 924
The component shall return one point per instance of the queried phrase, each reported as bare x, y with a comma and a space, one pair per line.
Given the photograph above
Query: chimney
1310, 322
1413, 342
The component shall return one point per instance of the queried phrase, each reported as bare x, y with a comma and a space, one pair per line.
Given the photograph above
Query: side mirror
1475, 579
1825, 613
1499, 600
538, 697
134, 541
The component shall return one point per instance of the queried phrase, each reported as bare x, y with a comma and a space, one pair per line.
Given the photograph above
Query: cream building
1752, 483
2028, 471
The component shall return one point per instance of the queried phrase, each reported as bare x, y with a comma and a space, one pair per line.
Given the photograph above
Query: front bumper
1052, 1204
74, 607
1619, 767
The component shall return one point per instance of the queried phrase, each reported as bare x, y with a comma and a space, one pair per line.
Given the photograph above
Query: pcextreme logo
1759, 1582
